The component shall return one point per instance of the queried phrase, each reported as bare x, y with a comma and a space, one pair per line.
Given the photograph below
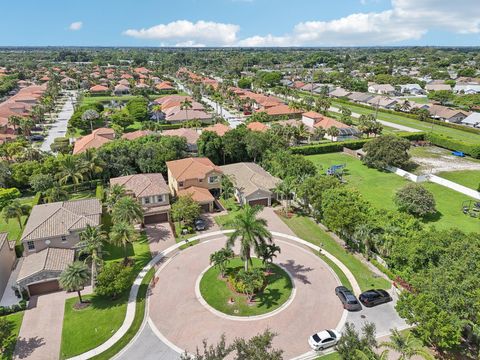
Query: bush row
7, 310
454, 144
100, 192
350, 144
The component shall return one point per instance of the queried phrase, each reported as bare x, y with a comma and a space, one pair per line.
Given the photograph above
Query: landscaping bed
16, 320
218, 292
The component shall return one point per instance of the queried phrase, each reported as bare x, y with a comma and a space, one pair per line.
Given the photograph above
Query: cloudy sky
241, 22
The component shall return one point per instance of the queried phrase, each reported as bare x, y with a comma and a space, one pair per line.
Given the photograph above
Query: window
30, 245
212, 179
159, 198
64, 238
146, 200
180, 184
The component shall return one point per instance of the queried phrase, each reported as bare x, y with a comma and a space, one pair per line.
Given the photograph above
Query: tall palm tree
407, 346
115, 193
127, 210
71, 169
74, 278
91, 243
333, 132
186, 105
157, 112
14, 120
285, 190
93, 164
122, 234
251, 231
15, 210
55, 194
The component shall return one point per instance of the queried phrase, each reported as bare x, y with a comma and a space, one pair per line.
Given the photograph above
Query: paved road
383, 122
59, 128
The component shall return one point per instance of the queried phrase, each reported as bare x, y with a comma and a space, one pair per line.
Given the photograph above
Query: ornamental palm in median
251, 231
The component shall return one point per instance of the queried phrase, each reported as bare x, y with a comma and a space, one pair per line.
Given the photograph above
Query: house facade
7, 261
151, 191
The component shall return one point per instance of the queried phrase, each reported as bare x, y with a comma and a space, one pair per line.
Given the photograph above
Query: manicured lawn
416, 124
331, 356
80, 195
16, 320
216, 292
306, 229
232, 207
418, 100
12, 227
379, 189
468, 178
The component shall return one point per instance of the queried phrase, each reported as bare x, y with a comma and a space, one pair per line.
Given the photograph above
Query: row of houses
52, 232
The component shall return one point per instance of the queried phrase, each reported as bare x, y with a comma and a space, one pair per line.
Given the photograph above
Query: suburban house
413, 89
50, 238
339, 92
253, 185
151, 191
314, 120
198, 177
257, 126
99, 90
472, 120
447, 114
190, 135
136, 134
438, 87
385, 89
95, 140
7, 261
219, 128
383, 102
467, 88
360, 97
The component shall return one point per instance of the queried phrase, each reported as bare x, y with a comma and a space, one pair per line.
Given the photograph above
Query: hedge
350, 144
454, 144
100, 192
37, 198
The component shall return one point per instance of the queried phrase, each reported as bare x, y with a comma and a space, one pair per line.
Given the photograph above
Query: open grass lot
12, 227
16, 319
85, 329
418, 99
416, 124
216, 292
468, 178
306, 229
379, 189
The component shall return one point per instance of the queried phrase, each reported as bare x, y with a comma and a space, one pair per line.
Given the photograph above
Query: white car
324, 339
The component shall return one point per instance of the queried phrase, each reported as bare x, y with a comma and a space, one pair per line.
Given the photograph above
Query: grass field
416, 124
12, 227
216, 292
468, 178
306, 229
16, 320
379, 189
418, 100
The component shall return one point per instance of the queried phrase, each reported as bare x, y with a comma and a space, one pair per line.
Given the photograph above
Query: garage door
155, 219
262, 202
205, 207
44, 287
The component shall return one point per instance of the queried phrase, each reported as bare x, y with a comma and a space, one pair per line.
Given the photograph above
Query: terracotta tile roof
165, 85
49, 259
136, 134
99, 88
191, 135
313, 115
327, 123
60, 218
143, 184
184, 115
191, 168
161, 100
198, 194
281, 109
219, 129
257, 126
95, 140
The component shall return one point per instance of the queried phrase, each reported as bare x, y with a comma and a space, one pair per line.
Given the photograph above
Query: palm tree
157, 112
55, 194
407, 346
93, 164
71, 169
186, 104
91, 243
319, 133
406, 106
122, 234
26, 125
251, 232
115, 193
333, 132
128, 210
364, 234
269, 251
15, 210
285, 189
221, 258
14, 120
74, 278
90, 115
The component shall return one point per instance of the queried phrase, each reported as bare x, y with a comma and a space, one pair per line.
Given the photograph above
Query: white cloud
184, 31
77, 25
189, 43
405, 20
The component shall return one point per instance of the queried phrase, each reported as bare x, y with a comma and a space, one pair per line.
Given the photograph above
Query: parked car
349, 301
374, 297
36, 138
200, 224
324, 339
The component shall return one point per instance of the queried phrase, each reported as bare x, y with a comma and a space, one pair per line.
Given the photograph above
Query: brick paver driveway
160, 237
179, 316
41, 331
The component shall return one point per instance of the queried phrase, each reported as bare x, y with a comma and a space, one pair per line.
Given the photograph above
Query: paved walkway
59, 128
41, 331
185, 323
274, 222
8, 297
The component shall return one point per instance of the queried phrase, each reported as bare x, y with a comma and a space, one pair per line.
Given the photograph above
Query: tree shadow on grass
297, 270
268, 298
432, 217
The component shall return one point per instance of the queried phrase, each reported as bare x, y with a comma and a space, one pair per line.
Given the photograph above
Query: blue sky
240, 22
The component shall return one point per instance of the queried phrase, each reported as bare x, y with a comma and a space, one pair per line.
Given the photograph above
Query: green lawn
379, 189
16, 320
12, 227
216, 292
418, 100
331, 356
416, 124
86, 329
468, 178
306, 229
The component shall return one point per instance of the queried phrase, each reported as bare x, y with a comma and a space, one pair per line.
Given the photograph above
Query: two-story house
196, 177
50, 239
151, 191
7, 261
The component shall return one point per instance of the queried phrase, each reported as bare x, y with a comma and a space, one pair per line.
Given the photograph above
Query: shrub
415, 199
7, 195
114, 279
453, 144
100, 192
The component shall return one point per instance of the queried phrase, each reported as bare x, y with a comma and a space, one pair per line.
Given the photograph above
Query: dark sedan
374, 297
349, 301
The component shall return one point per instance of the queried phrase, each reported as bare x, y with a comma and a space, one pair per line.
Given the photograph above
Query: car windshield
316, 338
351, 299
332, 334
